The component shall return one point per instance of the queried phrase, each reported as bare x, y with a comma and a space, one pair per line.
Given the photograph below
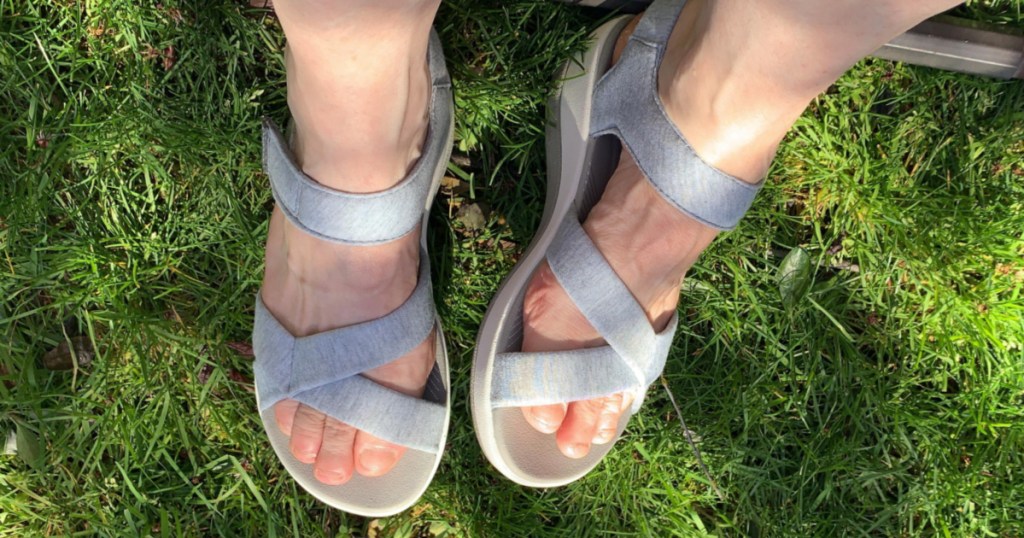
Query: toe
307, 433
545, 418
375, 456
608, 422
334, 463
581, 425
284, 413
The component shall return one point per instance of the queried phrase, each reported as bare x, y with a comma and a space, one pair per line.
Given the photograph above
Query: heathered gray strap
626, 103
334, 355
322, 370
656, 23
600, 295
633, 358
361, 219
548, 377
380, 411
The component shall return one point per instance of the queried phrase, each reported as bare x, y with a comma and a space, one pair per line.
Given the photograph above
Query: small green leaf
29, 449
794, 277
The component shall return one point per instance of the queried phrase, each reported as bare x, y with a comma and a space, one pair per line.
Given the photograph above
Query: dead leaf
450, 183
175, 15
461, 160
204, 374
242, 348
170, 58
237, 377
472, 217
64, 356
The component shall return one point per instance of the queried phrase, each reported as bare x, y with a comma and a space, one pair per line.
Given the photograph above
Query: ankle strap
626, 104
370, 218
656, 22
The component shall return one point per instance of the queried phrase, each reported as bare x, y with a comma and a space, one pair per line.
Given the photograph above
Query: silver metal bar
942, 42
959, 45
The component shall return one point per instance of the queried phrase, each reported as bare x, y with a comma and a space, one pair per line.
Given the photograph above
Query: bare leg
736, 75
358, 94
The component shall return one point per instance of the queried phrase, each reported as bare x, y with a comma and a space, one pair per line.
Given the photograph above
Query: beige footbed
369, 497
520, 452
401, 487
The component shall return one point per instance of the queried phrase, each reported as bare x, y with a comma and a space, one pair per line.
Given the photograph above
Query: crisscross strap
630, 361
322, 370
362, 219
626, 103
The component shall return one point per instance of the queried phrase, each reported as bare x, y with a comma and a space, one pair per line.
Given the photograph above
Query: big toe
375, 456
284, 413
589, 421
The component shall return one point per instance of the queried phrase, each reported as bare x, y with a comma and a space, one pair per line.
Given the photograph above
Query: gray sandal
322, 370
623, 102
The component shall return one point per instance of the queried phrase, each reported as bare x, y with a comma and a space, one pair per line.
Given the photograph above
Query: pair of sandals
593, 102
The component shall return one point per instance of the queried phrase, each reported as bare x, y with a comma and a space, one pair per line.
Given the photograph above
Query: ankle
647, 241
359, 131
738, 74
340, 267
358, 89
715, 89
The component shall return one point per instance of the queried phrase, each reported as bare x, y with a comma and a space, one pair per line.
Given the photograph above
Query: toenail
334, 476
577, 450
377, 459
545, 425
603, 436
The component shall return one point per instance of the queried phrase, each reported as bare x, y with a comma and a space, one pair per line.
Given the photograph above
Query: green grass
888, 401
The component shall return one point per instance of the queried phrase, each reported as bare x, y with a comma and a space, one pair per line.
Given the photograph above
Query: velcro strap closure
341, 217
363, 218
626, 104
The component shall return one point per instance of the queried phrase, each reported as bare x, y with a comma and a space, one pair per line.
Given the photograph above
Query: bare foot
313, 286
360, 119
734, 78
648, 243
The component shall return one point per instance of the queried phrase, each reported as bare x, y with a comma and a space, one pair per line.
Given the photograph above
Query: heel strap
370, 218
626, 104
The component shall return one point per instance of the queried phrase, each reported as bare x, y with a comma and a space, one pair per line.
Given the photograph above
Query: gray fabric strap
549, 377
626, 104
361, 219
334, 355
632, 359
380, 411
542, 378
656, 23
600, 295
322, 370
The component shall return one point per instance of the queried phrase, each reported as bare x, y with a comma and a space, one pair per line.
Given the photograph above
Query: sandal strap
626, 104
600, 295
322, 370
632, 359
395, 417
657, 20
358, 218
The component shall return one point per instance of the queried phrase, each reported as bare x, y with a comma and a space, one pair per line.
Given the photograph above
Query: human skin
735, 77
